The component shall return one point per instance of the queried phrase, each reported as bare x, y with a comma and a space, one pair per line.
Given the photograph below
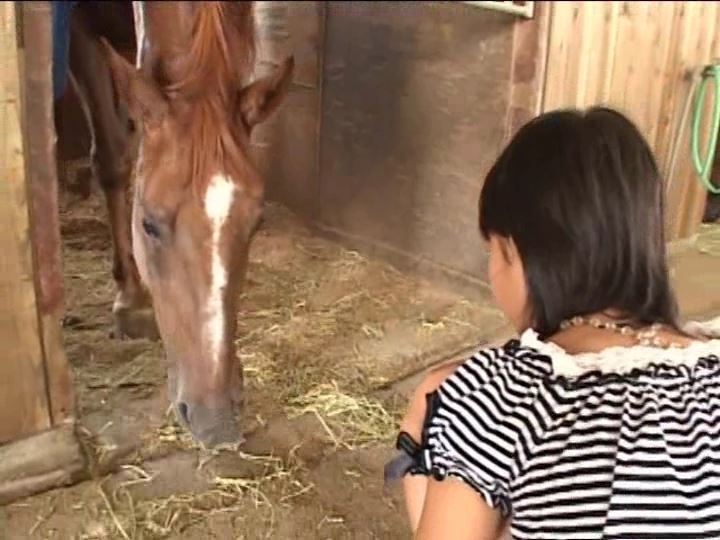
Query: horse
180, 256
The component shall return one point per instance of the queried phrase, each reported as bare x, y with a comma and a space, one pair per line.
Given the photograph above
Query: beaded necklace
648, 337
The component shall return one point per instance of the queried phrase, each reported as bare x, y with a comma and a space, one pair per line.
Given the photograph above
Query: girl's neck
585, 338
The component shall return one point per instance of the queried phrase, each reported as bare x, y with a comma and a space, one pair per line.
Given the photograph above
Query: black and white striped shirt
622, 444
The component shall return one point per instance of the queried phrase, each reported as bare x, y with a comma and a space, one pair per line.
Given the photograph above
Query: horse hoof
137, 323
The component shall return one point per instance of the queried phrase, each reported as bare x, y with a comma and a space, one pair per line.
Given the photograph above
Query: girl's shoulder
528, 361
615, 363
514, 368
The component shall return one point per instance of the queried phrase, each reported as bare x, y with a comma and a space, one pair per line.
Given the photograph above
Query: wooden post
43, 196
44, 461
530, 41
24, 393
41, 450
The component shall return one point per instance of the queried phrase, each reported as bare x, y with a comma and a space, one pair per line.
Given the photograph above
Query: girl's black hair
580, 195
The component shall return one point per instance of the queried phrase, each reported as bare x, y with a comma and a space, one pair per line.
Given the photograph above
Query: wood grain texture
23, 391
40, 138
637, 57
43, 461
529, 61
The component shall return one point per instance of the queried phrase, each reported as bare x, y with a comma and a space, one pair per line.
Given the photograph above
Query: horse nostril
184, 412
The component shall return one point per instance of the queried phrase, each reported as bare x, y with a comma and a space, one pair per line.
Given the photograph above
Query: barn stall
368, 267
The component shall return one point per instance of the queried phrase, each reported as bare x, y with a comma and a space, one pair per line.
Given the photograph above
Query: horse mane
219, 59
221, 53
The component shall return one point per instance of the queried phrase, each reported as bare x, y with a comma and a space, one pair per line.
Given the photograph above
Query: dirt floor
323, 335
331, 344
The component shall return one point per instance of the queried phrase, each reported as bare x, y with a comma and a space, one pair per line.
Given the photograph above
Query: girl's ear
510, 249
506, 246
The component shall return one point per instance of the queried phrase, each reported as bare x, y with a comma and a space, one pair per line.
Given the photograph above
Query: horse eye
150, 228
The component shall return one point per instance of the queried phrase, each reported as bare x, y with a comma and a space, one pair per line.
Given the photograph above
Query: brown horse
198, 196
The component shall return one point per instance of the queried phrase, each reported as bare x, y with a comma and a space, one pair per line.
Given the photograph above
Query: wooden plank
44, 461
662, 21
530, 42
591, 28
625, 86
677, 83
612, 14
636, 80
44, 210
563, 44
687, 179
22, 377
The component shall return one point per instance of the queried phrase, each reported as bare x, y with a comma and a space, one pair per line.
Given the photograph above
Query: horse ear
141, 94
261, 98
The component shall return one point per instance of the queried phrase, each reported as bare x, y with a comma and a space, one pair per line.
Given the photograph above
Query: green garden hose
704, 167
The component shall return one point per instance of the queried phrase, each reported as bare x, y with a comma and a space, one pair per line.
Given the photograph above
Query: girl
602, 420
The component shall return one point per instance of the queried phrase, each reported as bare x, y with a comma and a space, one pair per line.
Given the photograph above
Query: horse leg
112, 159
82, 175
73, 125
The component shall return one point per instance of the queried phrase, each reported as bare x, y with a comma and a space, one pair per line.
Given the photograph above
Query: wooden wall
39, 449
34, 373
41, 170
24, 394
638, 56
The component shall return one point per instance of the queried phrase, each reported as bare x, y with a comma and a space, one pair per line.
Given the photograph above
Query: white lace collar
625, 359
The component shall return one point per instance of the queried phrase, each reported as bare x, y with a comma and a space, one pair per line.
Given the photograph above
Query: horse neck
163, 31
167, 36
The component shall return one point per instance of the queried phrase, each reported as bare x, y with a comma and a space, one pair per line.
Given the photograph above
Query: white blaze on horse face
139, 17
218, 202
136, 233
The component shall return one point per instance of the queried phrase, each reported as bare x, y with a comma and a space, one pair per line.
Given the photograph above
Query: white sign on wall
522, 9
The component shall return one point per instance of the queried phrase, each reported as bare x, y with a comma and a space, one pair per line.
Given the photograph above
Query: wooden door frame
47, 454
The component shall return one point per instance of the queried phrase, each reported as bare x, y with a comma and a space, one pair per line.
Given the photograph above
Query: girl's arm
422, 509
454, 510
415, 487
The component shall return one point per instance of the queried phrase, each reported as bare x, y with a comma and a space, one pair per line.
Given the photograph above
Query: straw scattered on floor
276, 484
350, 421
